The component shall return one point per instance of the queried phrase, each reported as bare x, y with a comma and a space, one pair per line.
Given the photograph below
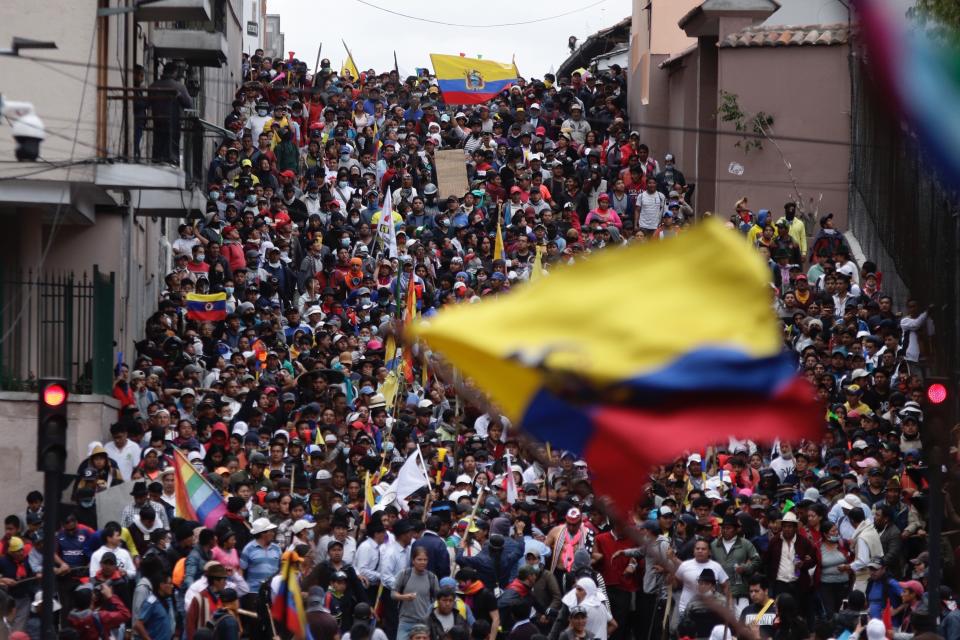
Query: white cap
463, 479
860, 444
665, 510
323, 474
187, 391
424, 404
301, 525
314, 309
456, 495
535, 105
790, 516
460, 114
694, 457
261, 525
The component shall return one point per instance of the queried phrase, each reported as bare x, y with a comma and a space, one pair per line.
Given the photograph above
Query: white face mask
275, 264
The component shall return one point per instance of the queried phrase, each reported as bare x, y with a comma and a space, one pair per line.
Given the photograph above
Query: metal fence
913, 216
57, 325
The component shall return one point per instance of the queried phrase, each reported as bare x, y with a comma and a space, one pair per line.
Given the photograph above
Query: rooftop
785, 36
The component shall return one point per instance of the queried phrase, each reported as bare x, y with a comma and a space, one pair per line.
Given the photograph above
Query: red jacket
86, 622
233, 252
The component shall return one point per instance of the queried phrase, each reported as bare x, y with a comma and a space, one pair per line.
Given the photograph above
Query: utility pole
52, 461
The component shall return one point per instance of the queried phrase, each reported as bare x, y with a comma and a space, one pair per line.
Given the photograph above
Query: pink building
786, 59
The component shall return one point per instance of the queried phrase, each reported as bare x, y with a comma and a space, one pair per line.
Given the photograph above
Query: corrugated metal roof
774, 36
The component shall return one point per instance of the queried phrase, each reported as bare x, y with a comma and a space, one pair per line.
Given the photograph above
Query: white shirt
367, 561
650, 209
126, 458
787, 570
689, 572
124, 561
910, 327
393, 560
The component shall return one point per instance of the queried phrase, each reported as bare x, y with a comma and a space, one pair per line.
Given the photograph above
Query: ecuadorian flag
207, 307
471, 80
636, 355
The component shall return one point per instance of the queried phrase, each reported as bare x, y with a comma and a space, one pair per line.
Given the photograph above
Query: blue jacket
438, 558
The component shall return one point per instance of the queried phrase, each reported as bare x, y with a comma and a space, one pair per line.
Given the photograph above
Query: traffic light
52, 426
937, 393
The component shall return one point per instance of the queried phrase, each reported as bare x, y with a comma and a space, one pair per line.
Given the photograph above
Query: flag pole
396, 67
316, 65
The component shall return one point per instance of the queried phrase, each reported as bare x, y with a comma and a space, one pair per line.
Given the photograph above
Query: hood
581, 560
762, 216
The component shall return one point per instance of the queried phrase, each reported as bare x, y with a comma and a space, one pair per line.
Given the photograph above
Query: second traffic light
52, 426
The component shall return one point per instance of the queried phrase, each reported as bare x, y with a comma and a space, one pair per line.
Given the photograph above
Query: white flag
386, 230
411, 477
510, 483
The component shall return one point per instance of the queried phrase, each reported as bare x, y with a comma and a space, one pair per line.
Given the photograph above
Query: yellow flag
537, 269
498, 242
389, 389
390, 350
349, 66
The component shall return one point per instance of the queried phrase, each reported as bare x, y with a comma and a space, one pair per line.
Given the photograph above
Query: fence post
68, 329
103, 301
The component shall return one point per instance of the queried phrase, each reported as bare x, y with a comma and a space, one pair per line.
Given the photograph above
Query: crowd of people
282, 404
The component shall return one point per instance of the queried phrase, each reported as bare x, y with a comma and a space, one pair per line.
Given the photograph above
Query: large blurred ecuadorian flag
636, 355
471, 80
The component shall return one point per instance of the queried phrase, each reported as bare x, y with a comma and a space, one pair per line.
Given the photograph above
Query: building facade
88, 227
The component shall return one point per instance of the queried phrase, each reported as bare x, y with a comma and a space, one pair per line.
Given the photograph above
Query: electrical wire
481, 26
52, 167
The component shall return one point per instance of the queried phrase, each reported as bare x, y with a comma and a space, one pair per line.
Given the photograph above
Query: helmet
430, 189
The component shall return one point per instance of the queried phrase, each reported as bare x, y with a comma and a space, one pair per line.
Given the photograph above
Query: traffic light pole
52, 462
48, 581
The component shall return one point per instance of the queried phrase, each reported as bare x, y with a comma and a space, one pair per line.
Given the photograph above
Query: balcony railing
152, 129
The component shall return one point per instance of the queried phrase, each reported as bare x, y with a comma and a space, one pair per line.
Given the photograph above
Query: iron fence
913, 215
57, 325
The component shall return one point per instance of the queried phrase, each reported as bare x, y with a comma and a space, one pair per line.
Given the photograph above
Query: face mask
228, 290
833, 538
200, 257
343, 184
252, 199
231, 194
214, 195
388, 446
275, 264
312, 195
86, 504
345, 242
261, 112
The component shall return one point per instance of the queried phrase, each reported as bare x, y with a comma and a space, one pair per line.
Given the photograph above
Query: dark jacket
490, 571
803, 549
436, 628
438, 558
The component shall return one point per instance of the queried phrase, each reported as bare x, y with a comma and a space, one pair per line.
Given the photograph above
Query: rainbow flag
465, 80
207, 307
196, 499
287, 606
686, 351
919, 72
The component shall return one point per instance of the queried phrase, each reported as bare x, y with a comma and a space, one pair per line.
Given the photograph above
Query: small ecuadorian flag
209, 307
635, 356
465, 80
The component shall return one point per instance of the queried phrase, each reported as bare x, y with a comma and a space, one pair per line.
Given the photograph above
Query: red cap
800, 276
270, 390
515, 190
288, 173
603, 196
540, 131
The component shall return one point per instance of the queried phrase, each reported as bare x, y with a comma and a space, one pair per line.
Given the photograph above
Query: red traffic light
54, 395
936, 393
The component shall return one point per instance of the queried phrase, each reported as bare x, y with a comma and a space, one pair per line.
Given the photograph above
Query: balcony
193, 42
173, 10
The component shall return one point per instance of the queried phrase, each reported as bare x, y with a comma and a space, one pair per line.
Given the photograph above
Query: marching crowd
283, 404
